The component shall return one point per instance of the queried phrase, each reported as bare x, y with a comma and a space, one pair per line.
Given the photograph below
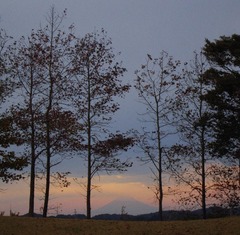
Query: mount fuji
130, 205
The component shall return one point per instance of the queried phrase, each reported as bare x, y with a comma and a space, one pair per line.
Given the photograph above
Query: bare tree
57, 46
156, 83
95, 86
24, 73
189, 158
40, 70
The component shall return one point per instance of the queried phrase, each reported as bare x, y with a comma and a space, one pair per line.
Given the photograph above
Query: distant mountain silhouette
212, 212
130, 206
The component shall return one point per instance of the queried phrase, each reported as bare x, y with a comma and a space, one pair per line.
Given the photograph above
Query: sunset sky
137, 28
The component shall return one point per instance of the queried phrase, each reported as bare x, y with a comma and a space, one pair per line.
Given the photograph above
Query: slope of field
40, 226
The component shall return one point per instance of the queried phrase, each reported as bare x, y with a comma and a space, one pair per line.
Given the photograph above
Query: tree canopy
224, 76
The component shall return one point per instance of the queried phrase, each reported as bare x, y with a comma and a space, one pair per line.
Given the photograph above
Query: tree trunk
48, 118
160, 187
89, 184
47, 189
204, 214
159, 163
33, 157
203, 160
48, 152
48, 149
89, 189
32, 191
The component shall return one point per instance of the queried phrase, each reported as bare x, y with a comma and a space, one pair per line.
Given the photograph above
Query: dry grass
39, 226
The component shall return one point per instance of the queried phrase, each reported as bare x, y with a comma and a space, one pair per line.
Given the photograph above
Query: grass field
40, 226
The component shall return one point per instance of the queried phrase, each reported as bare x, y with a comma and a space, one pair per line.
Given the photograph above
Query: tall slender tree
56, 47
40, 71
155, 84
189, 157
96, 84
25, 62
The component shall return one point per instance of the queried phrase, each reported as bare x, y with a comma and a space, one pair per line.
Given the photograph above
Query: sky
137, 28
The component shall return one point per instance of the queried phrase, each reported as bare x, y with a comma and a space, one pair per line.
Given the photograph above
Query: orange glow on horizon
71, 199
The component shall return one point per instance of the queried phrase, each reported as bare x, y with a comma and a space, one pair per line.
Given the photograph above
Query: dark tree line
58, 97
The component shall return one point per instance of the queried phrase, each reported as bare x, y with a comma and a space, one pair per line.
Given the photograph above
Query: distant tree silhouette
190, 156
94, 87
155, 83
